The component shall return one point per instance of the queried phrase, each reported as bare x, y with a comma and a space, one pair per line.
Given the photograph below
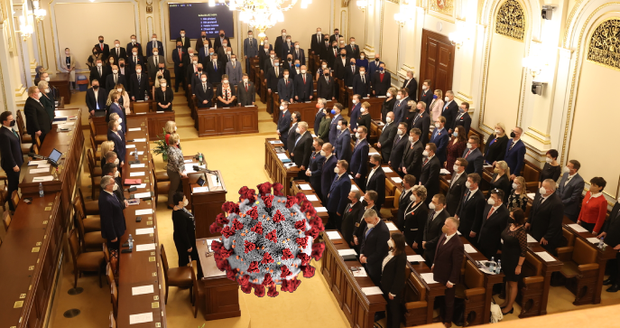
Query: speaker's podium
206, 200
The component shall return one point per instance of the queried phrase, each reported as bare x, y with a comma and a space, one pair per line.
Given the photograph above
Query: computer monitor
54, 157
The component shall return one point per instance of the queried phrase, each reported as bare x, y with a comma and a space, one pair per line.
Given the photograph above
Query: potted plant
162, 147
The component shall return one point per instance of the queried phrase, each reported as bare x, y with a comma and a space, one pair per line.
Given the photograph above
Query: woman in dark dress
552, 169
164, 96
393, 279
364, 119
500, 179
513, 256
495, 149
184, 234
456, 147
416, 215
388, 104
518, 196
410, 115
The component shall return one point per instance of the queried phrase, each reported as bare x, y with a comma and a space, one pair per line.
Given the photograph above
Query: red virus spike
273, 292
253, 213
258, 228
285, 272
227, 232
253, 267
249, 246
317, 251
277, 189
300, 225
272, 236
308, 271
278, 217
286, 254
303, 242
305, 259
267, 259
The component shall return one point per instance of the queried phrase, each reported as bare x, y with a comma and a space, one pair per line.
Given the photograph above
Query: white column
9, 76
373, 28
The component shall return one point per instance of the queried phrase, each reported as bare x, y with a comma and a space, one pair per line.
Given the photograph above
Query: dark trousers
614, 269
184, 258
374, 275
114, 245
175, 185
179, 77
394, 311
588, 226
448, 310
13, 182
335, 221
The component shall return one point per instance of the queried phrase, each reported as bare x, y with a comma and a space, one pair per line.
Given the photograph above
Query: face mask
122, 65
95, 87
119, 128
225, 81
548, 160
514, 186
467, 184
387, 94
333, 111
100, 41
411, 139
276, 64
354, 101
461, 111
115, 71
542, 190
163, 84
434, 96
326, 74
120, 120
281, 107
338, 127
424, 88
455, 134
388, 119
117, 46
119, 90
138, 71
204, 79
116, 161
222, 35
117, 174
266, 49
469, 145
412, 198
195, 62
182, 35
296, 47
303, 71
398, 97
362, 57
425, 153
400, 132
284, 34
99, 64
323, 153
446, 99
336, 170
245, 80
161, 69
357, 135
47, 90
352, 63
67, 53
199, 69
455, 168
390, 243
343, 55
376, 59
363, 110
154, 39
491, 201
115, 188
512, 134
381, 70
286, 76
185, 202
431, 206
250, 36
224, 45
437, 125
297, 131
324, 66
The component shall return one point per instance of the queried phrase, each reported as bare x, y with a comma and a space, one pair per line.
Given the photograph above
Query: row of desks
155, 121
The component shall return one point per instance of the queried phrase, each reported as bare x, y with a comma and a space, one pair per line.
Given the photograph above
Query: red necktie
246, 87
304, 76
490, 212
381, 75
425, 161
181, 55
468, 152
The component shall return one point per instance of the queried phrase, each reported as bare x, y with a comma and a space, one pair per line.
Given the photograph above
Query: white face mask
390, 243
388, 119
548, 160
336, 170
135, 53
117, 174
47, 90
324, 66
468, 145
119, 128
323, 153
117, 46
354, 101
163, 84
387, 94
119, 90
286, 76
115, 188
542, 190
338, 127
455, 168
185, 202
491, 201
363, 110
446, 99
411, 139
297, 131
400, 132
398, 97
424, 88
40, 95
182, 35
357, 135
370, 225
425, 153
437, 125
154, 39
120, 120
566, 169
467, 184
138, 71
99, 64
362, 56
412, 198
47, 79
303, 71
431, 206
155, 53
514, 186
116, 161
250, 36
133, 40
245, 80
362, 72
204, 79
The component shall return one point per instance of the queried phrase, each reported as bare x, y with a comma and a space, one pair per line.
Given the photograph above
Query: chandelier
261, 14
27, 18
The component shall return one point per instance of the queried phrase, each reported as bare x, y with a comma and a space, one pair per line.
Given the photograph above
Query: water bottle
135, 153
130, 241
41, 192
601, 243
200, 158
499, 266
492, 264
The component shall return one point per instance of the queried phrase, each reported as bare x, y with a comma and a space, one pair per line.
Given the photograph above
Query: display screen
197, 17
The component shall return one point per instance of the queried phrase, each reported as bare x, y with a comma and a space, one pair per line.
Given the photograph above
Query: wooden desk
296, 188
155, 121
61, 82
307, 110
206, 205
227, 120
276, 169
375, 104
548, 268
221, 294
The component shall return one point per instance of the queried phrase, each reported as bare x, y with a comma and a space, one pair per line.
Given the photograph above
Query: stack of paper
36, 171
133, 153
142, 290
275, 142
320, 209
200, 189
374, 290
43, 179
397, 179
130, 146
333, 235
415, 258
386, 169
354, 187
139, 140
135, 166
373, 153
146, 247
43, 166
142, 194
577, 227
134, 129
594, 240
312, 198
145, 211
144, 231
140, 318
360, 273
429, 278
531, 239
444, 172
36, 163
136, 174
346, 252
305, 187
391, 226
470, 249
545, 256
531, 195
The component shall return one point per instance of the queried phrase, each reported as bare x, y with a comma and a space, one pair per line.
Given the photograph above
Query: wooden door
437, 61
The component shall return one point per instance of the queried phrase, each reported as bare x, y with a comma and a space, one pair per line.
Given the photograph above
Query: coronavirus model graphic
267, 239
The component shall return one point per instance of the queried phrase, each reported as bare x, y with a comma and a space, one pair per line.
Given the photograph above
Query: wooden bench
472, 291
531, 287
416, 305
580, 270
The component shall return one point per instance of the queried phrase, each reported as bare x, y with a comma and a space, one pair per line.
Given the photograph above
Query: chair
14, 199
162, 175
91, 223
89, 240
26, 138
112, 320
580, 270
198, 295
93, 131
4, 192
6, 219
84, 262
96, 148
568, 239
472, 291
35, 149
161, 187
416, 305
91, 207
94, 179
531, 287
97, 171
114, 297
180, 277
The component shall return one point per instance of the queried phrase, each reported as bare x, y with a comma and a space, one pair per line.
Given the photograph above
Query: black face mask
512, 134
222, 35
376, 59
371, 164
511, 220
122, 65
161, 68
12, 123
352, 64
199, 69
100, 41
326, 40
204, 37
343, 55
95, 87
335, 47
326, 74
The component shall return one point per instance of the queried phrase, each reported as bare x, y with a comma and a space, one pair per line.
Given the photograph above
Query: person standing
545, 219
359, 158
469, 212
316, 166
432, 231
456, 147
351, 216
594, 207
38, 122
457, 186
113, 224
67, 65
393, 279
416, 215
518, 197
494, 221
11, 159
376, 179
374, 245
570, 188
611, 233
175, 167
552, 168
250, 49
495, 149
184, 234
515, 152
514, 249
180, 59
337, 195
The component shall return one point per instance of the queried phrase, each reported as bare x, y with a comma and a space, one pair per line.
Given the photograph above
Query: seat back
20, 122
78, 206
106, 253
114, 295
584, 252
112, 320
15, 198
81, 197
74, 245
91, 161
36, 141
531, 174
91, 125
35, 148
164, 262
141, 107
568, 239
78, 217
473, 277
532, 267
6, 219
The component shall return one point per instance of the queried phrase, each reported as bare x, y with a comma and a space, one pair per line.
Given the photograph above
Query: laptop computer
54, 157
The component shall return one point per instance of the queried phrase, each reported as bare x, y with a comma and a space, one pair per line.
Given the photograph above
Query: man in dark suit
284, 122
219, 40
343, 141
204, 92
111, 213
250, 49
114, 79
462, 118
304, 86
99, 72
381, 81
111, 170
266, 58
386, 140
96, 98
454, 196
11, 157
359, 158
154, 44
185, 42
287, 47
374, 245
335, 36
333, 126
315, 168
352, 212
115, 108
494, 220
293, 134
215, 70
133, 60
401, 105
470, 210
350, 72
369, 199
116, 135
440, 138
154, 63
412, 158
273, 75
118, 51
279, 44
353, 51
409, 181
340, 65
447, 265
38, 122
473, 155
181, 60
302, 147
316, 41
361, 83
545, 220
373, 65
398, 149
570, 190
330, 52
135, 44
103, 48
422, 121
286, 87
429, 174
376, 180
432, 231
427, 93
515, 153
203, 41
138, 84
246, 91
450, 110
337, 195
298, 53
611, 233
318, 117
411, 85
326, 86
327, 172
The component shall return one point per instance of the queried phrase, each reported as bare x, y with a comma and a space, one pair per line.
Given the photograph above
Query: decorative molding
605, 43
510, 20
393, 1
444, 7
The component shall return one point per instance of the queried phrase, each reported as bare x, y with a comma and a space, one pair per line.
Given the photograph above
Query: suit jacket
114, 108
326, 88
350, 218
284, 124
272, 78
359, 159
546, 220
491, 230
186, 43
204, 55
264, 60
349, 74
448, 260
373, 66
302, 150
412, 87
376, 182
571, 194
278, 45
316, 168
343, 146
318, 117
112, 218
515, 156
427, 97
250, 50
183, 59
327, 176
110, 85
94, 74
354, 115
455, 193
159, 97
37, 118
495, 149
11, 150
432, 232
375, 247
246, 97
412, 159
403, 202
393, 276
462, 120
200, 44
387, 140
475, 160
335, 37
287, 49
217, 42
132, 65
470, 212
423, 122
333, 131
328, 54
316, 41
105, 52
234, 73
152, 68
121, 53
301, 55
149, 48
359, 87
222, 55
215, 73
91, 103
440, 139
398, 149
304, 90
137, 89
360, 226
202, 95
337, 194
429, 176
339, 68
415, 222
119, 144
286, 90
450, 110
400, 110
612, 226
219, 92
381, 87
353, 51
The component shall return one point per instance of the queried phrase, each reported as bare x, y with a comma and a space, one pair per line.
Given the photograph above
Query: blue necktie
367, 232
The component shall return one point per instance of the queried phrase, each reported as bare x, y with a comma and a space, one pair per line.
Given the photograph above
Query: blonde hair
521, 182
502, 127
439, 93
420, 191
366, 104
43, 85
504, 166
106, 147
393, 91
174, 139
170, 125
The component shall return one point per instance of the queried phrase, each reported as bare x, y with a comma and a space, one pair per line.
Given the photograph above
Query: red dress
453, 152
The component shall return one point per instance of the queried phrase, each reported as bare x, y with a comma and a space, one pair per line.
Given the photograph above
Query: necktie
99, 71
15, 133
154, 45
367, 232
286, 81
467, 196
277, 72
363, 79
432, 215
250, 42
353, 69
468, 152
204, 87
512, 145
246, 87
425, 161
215, 65
135, 59
304, 77
118, 52
139, 78
296, 141
490, 212
115, 78
156, 60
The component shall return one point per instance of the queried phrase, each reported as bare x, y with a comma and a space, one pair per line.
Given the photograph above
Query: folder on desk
347, 254
134, 129
133, 181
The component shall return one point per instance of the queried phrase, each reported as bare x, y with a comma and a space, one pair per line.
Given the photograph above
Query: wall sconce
362, 4
536, 65
407, 13
462, 34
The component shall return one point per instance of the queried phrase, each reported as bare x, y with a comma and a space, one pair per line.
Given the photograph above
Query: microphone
33, 155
